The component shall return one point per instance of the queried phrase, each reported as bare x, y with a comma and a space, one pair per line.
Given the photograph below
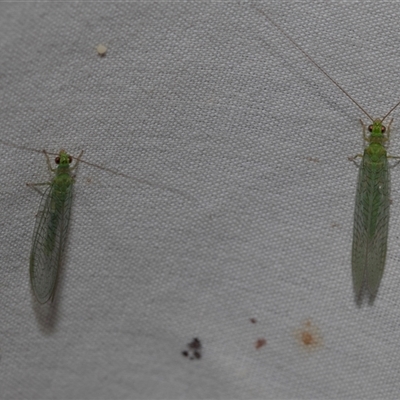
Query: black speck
194, 349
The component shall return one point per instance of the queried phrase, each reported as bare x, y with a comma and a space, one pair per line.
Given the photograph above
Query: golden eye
370, 128
70, 159
57, 160
383, 129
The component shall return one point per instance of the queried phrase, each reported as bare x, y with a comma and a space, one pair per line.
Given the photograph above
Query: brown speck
260, 343
253, 320
313, 159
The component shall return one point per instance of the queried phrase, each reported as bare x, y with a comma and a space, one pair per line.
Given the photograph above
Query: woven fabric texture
232, 222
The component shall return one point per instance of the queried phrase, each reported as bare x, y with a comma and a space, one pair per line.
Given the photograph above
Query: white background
240, 204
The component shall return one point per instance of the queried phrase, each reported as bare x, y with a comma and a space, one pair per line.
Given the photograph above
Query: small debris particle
253, 320
101, 50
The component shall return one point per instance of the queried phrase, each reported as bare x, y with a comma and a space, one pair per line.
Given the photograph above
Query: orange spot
309, 336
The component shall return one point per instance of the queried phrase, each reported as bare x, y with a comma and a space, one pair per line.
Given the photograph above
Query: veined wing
371, 223
49, 241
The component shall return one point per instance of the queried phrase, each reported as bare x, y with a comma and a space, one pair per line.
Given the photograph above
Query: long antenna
390, 111
112, 171
320, 68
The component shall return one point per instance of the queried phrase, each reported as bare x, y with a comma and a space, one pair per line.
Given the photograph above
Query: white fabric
246, 210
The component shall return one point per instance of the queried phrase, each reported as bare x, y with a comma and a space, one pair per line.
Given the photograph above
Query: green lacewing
51, 228
53, 218
371, 214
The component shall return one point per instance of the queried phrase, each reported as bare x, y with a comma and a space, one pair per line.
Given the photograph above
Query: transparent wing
359, 251
49, 241
379, 227
371, 224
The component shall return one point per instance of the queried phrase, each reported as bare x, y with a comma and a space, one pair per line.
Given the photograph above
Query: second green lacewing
371, 214
51, 228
